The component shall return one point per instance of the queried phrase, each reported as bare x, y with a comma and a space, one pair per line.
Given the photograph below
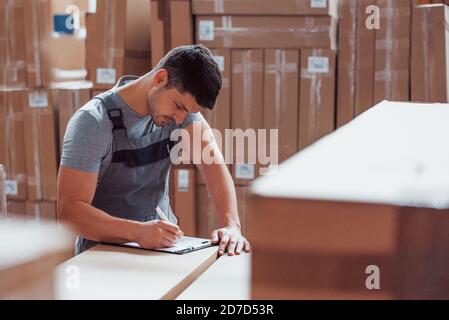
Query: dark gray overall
136, 182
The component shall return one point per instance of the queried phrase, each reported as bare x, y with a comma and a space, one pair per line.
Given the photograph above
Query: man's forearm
94, 224
221, 187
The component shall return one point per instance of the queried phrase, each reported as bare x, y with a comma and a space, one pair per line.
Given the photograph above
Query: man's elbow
63, 210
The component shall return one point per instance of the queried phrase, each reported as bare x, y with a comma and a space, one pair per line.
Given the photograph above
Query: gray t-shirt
88, 138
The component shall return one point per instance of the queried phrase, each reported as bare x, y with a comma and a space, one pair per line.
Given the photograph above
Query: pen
161, 214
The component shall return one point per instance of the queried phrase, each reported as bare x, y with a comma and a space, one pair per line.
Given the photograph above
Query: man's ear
160, 78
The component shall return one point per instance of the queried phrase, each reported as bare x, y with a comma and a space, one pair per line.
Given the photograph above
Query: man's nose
179, 117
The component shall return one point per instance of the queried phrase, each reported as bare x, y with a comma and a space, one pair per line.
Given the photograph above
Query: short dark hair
193, 69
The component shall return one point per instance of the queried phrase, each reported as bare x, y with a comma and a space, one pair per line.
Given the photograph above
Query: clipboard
185, 245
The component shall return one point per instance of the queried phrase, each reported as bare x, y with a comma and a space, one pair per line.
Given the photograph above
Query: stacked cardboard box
430, 54
118, 40
374, 60
364, 231
12, 143
12, 44
171, 26
183, 198
279, 63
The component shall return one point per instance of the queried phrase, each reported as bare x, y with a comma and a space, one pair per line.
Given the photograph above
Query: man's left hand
230, 240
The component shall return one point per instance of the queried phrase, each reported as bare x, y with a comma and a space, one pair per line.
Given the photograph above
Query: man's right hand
158, 234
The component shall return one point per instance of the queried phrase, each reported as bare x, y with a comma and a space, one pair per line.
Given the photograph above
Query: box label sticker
106, 75
245, 171
38, 99
11, 187
318, 65
318, 3
220, 61
92, 6
206, 30
64, 23
183, 180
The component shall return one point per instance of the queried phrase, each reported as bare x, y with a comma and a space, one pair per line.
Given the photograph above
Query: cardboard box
118, 39
365, 60
96, 92
207, 220
138, 42
66, 53
12, 44
185, 200
67, 99
247, 108
392, 68
430, 58
265, 7
316, 95
12, 143
242, 204
52, 55
266, 31
220, 117
34, 28
105, 43
41, 210
280, 109
346, 84
40, 144
171, 27
16, 209
343, 214
207, 213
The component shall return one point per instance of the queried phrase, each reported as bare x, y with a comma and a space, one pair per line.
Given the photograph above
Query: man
115, 159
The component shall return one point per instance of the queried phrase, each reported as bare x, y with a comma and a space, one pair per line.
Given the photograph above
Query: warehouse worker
115, 158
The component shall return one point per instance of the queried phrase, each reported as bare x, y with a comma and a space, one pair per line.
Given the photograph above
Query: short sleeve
85, 143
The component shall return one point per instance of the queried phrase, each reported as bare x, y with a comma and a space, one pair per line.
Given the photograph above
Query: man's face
170, 105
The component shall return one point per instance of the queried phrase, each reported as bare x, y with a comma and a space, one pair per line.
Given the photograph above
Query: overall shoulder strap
114, 114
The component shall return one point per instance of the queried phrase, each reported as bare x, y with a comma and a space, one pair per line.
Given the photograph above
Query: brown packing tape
35, 25
429, 67
47, 150
262, 7
365, 61
392, 49
12, 44
3, 208
32, 141
4, 132
227, 31
281, 106
247, 104
15, 128
316, 111
346, 61
266, 32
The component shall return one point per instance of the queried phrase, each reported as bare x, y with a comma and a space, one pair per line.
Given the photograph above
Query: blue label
64, 23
